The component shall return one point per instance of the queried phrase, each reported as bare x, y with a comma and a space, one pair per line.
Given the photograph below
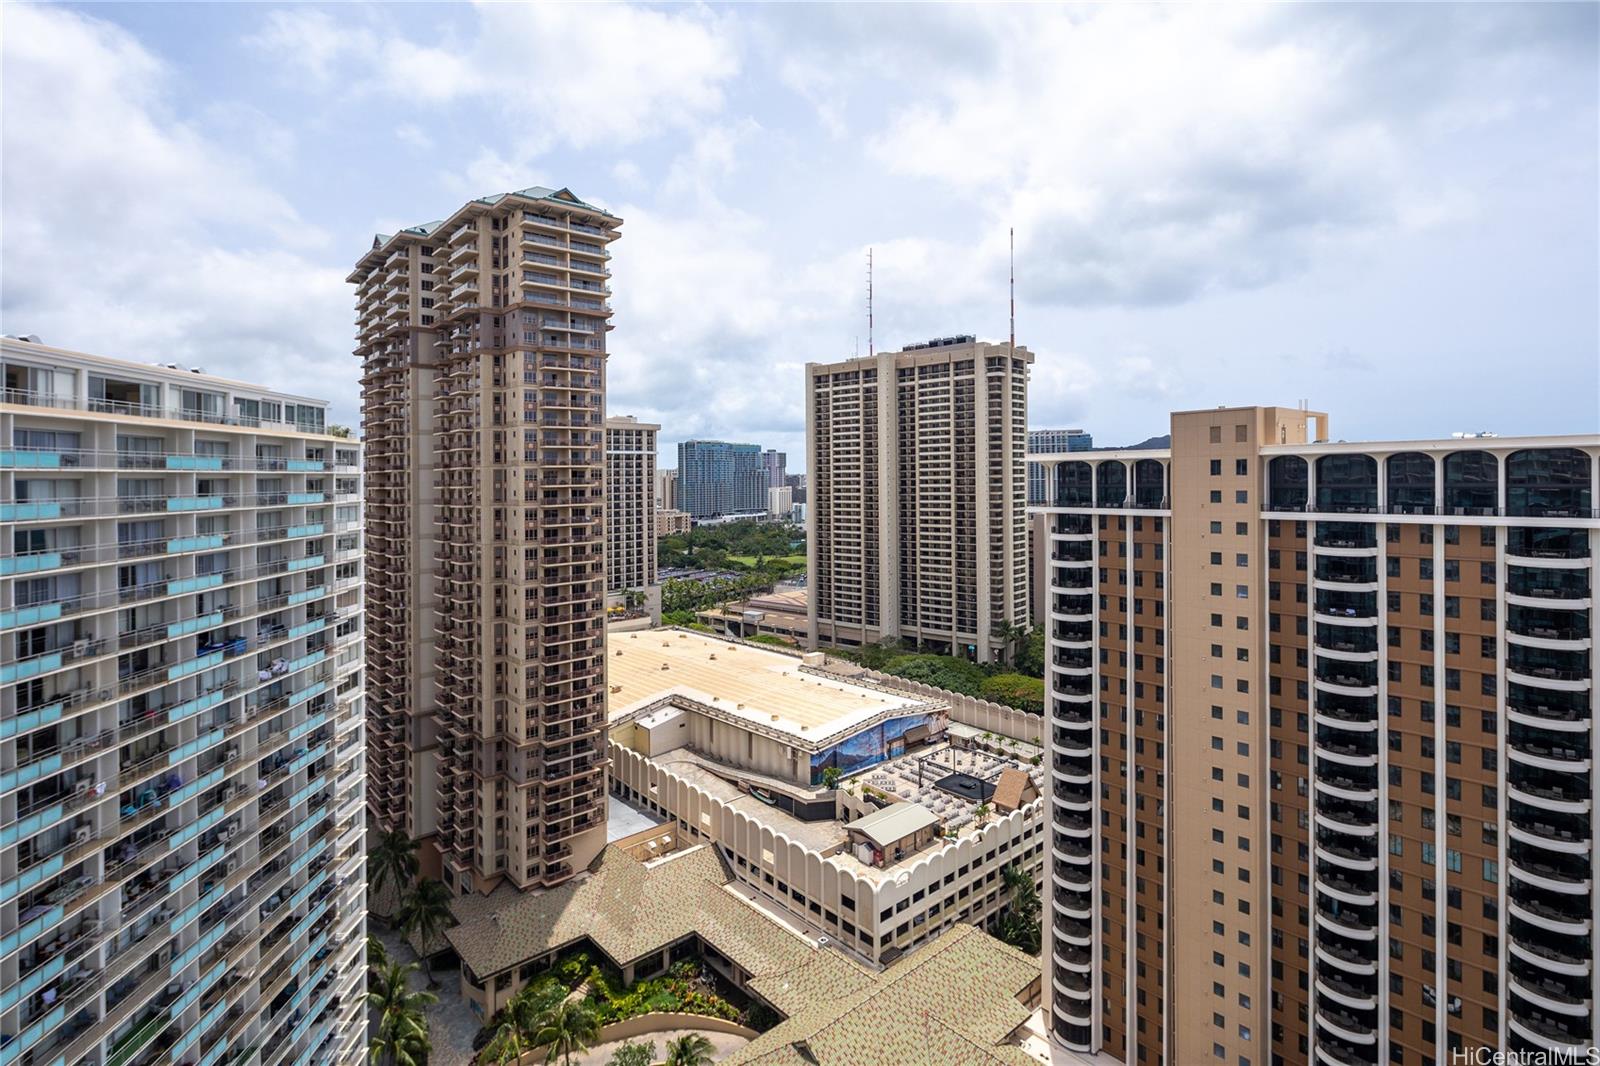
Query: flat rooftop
765, 689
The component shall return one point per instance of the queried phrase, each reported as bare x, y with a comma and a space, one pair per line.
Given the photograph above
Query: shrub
1015, 690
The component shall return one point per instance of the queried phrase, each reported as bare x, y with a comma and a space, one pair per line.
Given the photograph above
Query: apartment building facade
482, 341
1333, 701
1050, 442
181, 719
717, 478
776, 464
666, 490
630, 504
916, 508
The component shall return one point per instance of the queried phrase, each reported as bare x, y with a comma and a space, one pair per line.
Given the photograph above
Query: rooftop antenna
1012, 256
870, 350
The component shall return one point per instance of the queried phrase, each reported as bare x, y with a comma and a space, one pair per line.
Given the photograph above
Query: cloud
1150, 155
132, 234
414, 136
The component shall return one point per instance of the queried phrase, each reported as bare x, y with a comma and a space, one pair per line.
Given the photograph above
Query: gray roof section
894, 822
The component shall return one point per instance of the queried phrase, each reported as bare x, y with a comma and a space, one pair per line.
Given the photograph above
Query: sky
1386, 211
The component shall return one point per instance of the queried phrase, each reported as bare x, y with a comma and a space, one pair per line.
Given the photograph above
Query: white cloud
114, 208
414, 136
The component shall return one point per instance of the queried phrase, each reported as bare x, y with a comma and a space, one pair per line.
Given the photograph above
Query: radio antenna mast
1012, 254
870, 350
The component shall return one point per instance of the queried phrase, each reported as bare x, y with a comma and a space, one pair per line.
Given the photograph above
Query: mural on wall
872, 746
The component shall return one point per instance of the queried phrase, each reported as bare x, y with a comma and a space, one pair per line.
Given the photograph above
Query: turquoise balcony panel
308, 825
29, 878
32, 772
315, 593
195, 747
216, 1054
32, 930
195, 787
30, 720
308, 758
194, 462
308, 563
196, 1031
32, 667
305, 959
194, 503
194, 666
30, 616
308, 693
31, 983
301, 498
194, 625
28, 512
196, 705
195, 869
195, 828
33, 824
305, 860
304, 925
29, 564
305, 892
316, 1043
197, 949
304, 661
201, 987
312, 529
306, 466
194, 544
193, 584
32, 1035
306, 792
30, 460
304, 628
196, 909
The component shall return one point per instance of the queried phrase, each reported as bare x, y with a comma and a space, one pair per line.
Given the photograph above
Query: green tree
377, 954
402, 1033
830, 777
519, 1021
565, 1030
691, 1049
391, 864
1029, 658
1014, 690
1019, 925
424, 915
634, 1054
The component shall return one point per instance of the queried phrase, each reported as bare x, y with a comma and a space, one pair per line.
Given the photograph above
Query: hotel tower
181, 781
1322, 745
482, 341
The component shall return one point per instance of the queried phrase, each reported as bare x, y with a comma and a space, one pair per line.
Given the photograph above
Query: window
1216, 467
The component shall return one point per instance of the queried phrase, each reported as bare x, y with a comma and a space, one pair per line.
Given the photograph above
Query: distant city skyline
1339, 204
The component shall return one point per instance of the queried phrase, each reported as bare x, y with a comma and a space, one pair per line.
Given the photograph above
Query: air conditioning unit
82, 787
82, 834
232, 867
92, 926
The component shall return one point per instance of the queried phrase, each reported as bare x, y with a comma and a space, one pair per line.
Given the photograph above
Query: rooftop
765, 690
894, 822
954, 1000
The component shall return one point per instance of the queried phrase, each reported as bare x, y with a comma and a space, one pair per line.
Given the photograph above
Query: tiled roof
951, 1002
631, 910
1013, 789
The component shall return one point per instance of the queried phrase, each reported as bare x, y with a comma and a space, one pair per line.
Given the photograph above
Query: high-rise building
181, 782
1322, 733
1051, 441
666, 490
776, 464
780, 502
717, 478
630, 506
482, 341
917, 499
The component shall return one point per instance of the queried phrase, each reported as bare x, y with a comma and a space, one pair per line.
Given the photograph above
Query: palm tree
402, 1042
392, 863
377, 954
632, 1054
424, 915
565, 1030
692, 1049
830, 777
519, 1021
402, 1036
1019, 926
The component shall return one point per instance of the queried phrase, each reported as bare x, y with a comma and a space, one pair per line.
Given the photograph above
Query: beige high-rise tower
482, 340
917, 508
1321, 746
631, 514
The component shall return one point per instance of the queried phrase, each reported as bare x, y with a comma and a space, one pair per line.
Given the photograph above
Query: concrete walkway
451, 1023
725, 1043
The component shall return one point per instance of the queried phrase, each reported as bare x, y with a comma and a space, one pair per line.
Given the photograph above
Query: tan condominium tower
630, 506
1322, 745
482, 343
917, 508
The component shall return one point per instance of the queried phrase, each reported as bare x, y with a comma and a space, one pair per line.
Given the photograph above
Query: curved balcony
1563, 751
1362, 892
1073, 824
1552, 912
1550, 959
1074, 903
1335, 570
1349, 752
1548, 589
1071, 982
1556, 831
1073, 851
1546, 1035
1073, 956
1549, 994
1567, 713
1343, 682
1074, 716
1073, 931
1346, 782
1347, 993
1330, 848
1072, 877
1348, 923
1552, 678
1346, 1026
1347, 537
1551, 791
1540, 544
1349, 818
1342, 607
1347, 959
1548, 876
1334, 1053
